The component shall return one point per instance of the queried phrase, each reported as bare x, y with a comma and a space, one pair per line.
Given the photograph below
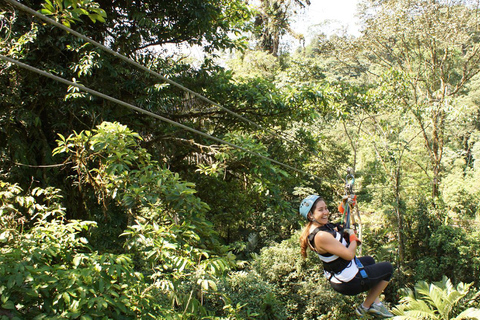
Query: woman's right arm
326, 242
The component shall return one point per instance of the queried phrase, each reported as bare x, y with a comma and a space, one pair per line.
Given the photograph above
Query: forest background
108, 213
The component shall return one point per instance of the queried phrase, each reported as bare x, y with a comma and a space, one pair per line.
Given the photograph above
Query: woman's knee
380, 271
388, 267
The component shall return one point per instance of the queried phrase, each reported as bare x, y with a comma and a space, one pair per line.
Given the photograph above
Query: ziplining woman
347, 274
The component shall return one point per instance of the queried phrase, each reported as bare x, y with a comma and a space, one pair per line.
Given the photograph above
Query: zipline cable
126, 59
151, 114
156, 74
43, 166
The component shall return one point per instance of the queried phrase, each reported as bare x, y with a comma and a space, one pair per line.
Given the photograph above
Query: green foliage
435, 249
44, 46
177, 262
209, 24
12, 218
438, 300
272, 20
253, 297
50, 272
461, 188
257, 99
255, 64
163, 199
110, 160
70, 11
18, 211
172, 243
451, 253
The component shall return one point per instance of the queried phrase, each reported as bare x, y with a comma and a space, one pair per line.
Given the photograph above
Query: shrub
50, 272
246, 295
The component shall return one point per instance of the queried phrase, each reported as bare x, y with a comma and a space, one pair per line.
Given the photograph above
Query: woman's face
320, 212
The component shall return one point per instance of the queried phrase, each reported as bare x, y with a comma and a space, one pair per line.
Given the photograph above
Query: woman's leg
381, 272
374, 293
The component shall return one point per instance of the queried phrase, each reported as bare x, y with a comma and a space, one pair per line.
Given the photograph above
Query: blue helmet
306, 205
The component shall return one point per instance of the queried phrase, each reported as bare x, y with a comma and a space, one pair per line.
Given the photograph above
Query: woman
347, 274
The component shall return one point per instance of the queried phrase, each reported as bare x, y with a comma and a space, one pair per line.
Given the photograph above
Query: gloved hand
352, 236
347, 200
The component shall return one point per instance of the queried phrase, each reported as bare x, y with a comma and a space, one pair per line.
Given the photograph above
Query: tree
390, 134
164, 221
273, 21
435, 43
47, 47
34, 109
134, 26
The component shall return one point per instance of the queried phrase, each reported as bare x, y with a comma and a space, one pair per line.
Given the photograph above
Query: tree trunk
401, 245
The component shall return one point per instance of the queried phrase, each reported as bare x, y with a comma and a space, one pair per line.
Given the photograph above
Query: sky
339, 12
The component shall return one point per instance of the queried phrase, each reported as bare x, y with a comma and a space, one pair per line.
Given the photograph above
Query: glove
353, 201
352, 236
341, 206
347, 199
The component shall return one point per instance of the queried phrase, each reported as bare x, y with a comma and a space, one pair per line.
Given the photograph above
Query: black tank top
337, 265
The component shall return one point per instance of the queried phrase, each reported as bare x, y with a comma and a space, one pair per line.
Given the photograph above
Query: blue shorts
376, 272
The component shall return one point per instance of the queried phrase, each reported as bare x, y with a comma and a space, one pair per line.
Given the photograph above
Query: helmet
307, 204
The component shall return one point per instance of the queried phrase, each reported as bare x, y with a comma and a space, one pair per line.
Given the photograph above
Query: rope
151, 114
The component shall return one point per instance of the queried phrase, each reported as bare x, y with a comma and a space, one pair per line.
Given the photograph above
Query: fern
435, 301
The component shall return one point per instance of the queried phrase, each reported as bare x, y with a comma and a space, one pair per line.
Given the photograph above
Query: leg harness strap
361, 268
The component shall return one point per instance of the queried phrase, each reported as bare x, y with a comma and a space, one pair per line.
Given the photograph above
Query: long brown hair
304, 239
306, 231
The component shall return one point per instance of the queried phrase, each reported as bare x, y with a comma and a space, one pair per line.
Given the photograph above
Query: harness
338, 265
